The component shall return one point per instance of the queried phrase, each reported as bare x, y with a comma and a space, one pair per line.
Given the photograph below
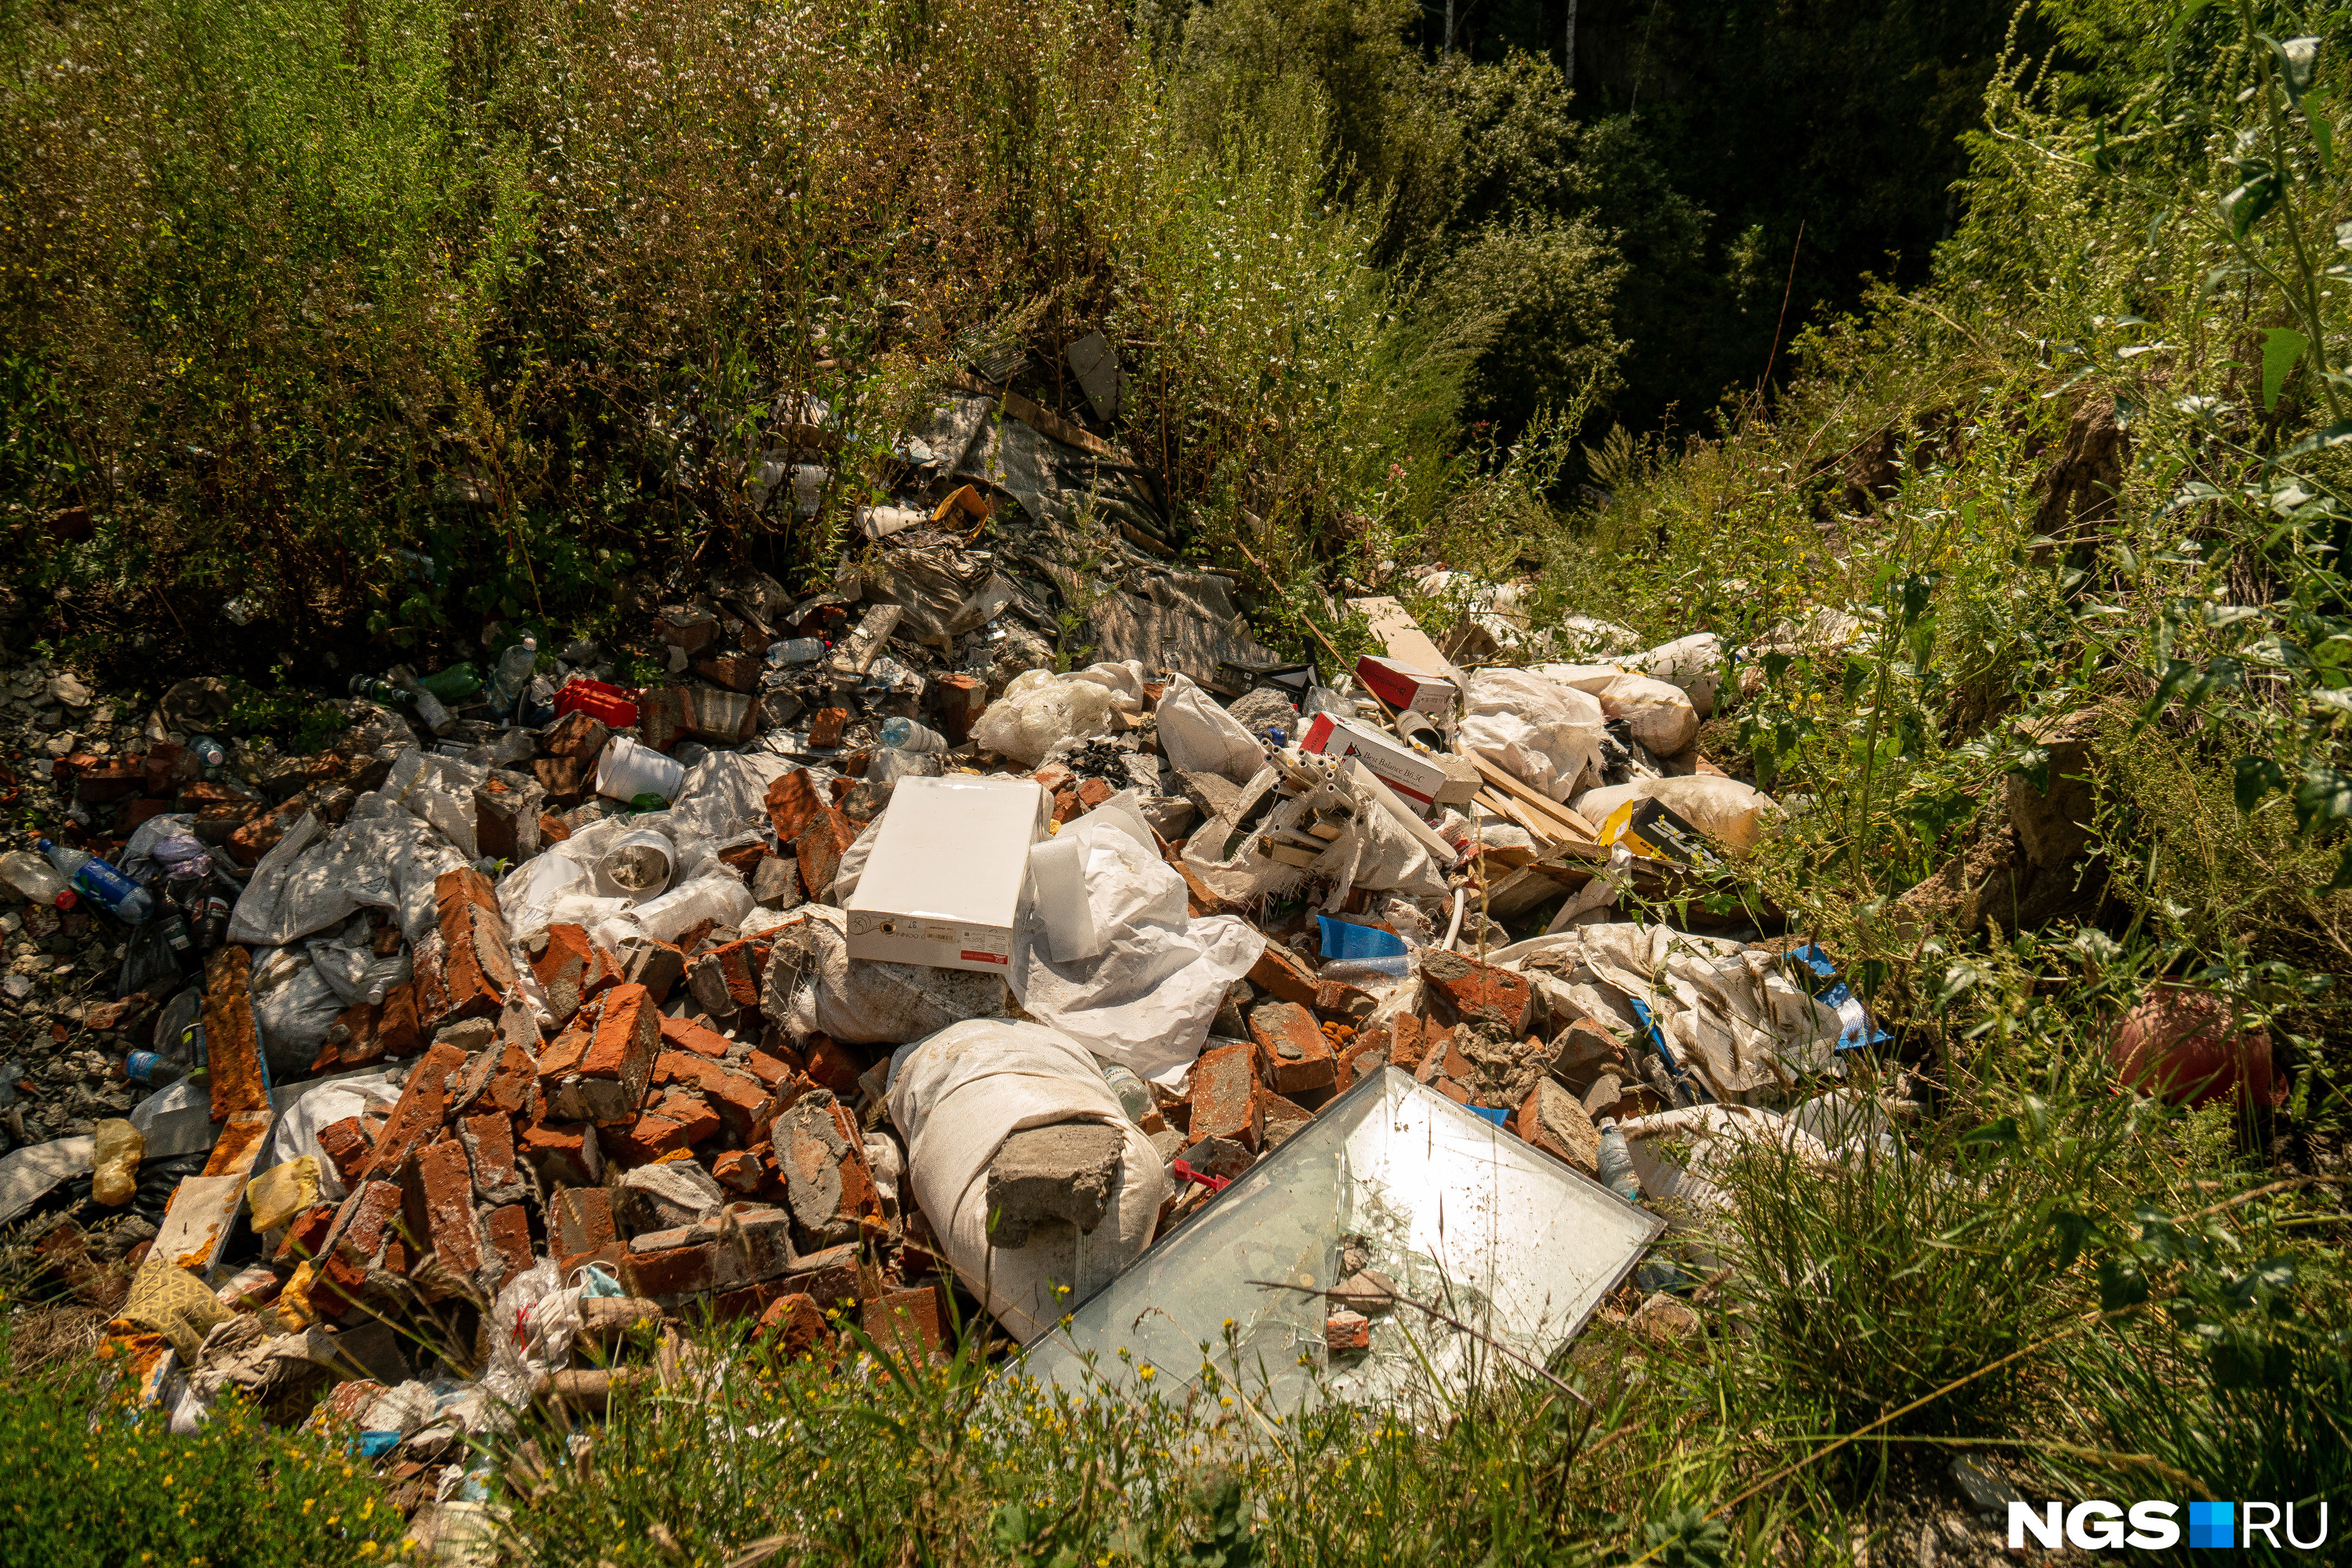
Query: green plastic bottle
454, 684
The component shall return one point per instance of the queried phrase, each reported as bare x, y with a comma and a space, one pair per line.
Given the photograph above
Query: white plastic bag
1040, 708
330, 1101
726, 792
1547, 735
294, 1007
955, 1098
1727, 811
441, 790
1200, 737
1147, 993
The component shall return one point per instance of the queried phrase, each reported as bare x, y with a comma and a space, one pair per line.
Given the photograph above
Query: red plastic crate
615, 706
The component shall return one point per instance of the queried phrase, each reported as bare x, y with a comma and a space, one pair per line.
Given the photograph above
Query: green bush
87, 1478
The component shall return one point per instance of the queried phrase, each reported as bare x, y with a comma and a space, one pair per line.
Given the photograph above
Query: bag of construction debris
1030, 1225
1693, 663
1547, 735
1144, 984
1200, 737
1658, 715
812, 984
441, 790
1727, 811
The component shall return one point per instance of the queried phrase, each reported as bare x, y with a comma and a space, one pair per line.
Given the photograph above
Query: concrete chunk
1050, 1176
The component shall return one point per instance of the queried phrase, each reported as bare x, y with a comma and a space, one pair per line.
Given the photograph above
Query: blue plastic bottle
123, 898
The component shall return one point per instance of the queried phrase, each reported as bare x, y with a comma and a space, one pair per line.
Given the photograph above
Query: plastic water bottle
1617, 1162
208, 751
906, 735
123, 898
37, 879
1133, 1097
513, 675
795, 650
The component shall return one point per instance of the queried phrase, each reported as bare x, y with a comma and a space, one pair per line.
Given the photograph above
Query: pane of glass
1455, 1211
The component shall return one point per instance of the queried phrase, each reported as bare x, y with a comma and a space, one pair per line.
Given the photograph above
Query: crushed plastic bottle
1617, 1162
36, 878
795, 650
114, 1162
122, 897
511, 676
906, 735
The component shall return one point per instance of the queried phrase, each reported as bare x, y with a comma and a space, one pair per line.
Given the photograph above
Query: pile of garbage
867, 957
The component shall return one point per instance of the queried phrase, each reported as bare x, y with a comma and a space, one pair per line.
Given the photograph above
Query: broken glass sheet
1394, 1177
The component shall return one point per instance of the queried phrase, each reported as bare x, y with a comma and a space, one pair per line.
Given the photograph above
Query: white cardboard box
1399, 685
1394, 764
942, 885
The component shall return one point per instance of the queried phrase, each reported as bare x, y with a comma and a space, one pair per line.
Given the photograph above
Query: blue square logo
2212, 1525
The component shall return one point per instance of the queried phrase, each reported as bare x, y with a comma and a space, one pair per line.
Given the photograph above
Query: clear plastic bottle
122, 897
209, 752
904, 735
1134, 1095
1617, 1162
511, 676
37, 879
795, 650
118, 1147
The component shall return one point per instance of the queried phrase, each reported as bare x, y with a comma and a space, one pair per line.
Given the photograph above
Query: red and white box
1386, 758
1400, 685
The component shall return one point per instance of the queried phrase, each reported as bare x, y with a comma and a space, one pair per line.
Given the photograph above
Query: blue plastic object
1858, 1028
1696, 1092
1341, 940
376, 1445
1494, 1113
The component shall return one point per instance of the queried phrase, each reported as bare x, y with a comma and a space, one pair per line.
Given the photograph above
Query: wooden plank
1567, 815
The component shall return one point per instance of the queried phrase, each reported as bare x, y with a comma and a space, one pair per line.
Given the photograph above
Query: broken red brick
1462, 988
1406, 1044
738, 1170
305, 1234
821, 1156
665, 714
354, 1037
423, 1101
596, 1070
1345, 1331
819, 847
908, 1323
576, 738
735, 672
347, 1146
438, 1195
1225, 1098
507, 1230
794, 1325
571, 967
506, 816
1294, 1056
397, 1029
563, 1154
656, 965
686, 1035
1279, 974
681, 1119
725, 979
834, 1065
579, 1227
958, 700
490, 1145
825, 727
475, 971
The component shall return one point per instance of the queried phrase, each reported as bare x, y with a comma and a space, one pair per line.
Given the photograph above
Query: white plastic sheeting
381, 857
956, 1097
1148, 992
